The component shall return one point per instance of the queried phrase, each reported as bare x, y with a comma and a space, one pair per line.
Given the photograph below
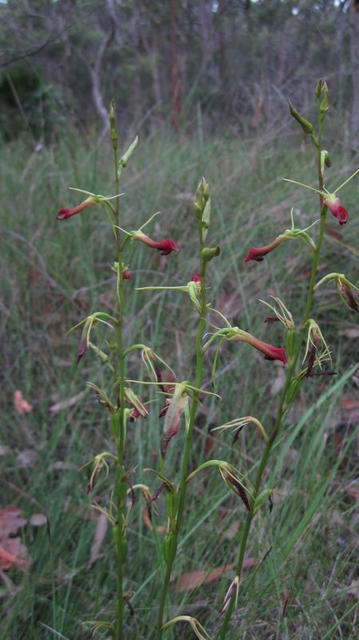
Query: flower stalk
119, 428
283, 403
200, 207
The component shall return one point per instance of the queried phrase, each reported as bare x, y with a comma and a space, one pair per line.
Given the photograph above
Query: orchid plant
305, 351
119, 400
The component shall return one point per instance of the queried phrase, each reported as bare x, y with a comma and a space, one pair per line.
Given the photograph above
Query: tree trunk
354, 57
174, 69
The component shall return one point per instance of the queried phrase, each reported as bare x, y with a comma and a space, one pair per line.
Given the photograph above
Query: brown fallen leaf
354, 589
21, 405
10, 521
353, 332
348, 403
12, 551
195, 579
7, 560
100, 533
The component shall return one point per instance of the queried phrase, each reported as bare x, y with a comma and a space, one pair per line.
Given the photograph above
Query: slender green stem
187, 451
120, 481
120, 502
280, 412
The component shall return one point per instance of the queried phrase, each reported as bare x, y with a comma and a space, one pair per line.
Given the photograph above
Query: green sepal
291, 342
127, 155
194, 294
172, 505
169, 547
115, 420
318, 88
206, 218
201, 198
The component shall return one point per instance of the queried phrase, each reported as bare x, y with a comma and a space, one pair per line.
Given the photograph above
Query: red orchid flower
126, 275
336, 208
63, 214
270, 352
258, 253
165, 246
196, 278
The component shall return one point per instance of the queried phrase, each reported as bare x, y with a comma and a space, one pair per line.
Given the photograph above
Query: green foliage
53, 275
232, 61
28, 102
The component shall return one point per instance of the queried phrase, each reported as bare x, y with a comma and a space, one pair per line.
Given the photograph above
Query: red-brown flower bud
81, 350
347, 294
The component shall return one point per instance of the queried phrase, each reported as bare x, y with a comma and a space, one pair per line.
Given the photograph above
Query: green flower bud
327, 160
210, 252
318, 88
201, 198
206, 217
323, 106
127, 155
305, 124
113, 127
